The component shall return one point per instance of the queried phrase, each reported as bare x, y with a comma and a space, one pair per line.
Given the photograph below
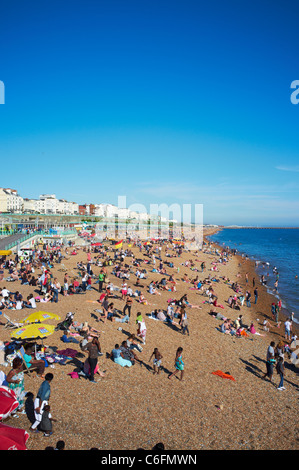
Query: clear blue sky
161, 101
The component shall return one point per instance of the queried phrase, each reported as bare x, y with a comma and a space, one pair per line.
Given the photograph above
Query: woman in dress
179, 364
15, 380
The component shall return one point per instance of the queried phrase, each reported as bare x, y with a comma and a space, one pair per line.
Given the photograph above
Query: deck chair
10, 323
29, 370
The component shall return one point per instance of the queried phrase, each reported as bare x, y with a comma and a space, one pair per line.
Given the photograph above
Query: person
46, 421
93, 348
280, 349
60, 445
86, 370
179, 364
66, 339
270, 361
101, 280
280, 371
42, 399
288, 328
39, 365
128, 353
266, 325
184, 322
124, 290
15, 380
118, 357
66, 285
157, 360
158, 447
132, 344
44, 391
141, 328
108, 311
248, 297
128, 306
30, 303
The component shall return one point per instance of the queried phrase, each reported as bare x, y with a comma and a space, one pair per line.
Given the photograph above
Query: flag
119, 244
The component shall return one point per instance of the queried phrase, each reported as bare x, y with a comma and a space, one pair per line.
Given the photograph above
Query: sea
275, 250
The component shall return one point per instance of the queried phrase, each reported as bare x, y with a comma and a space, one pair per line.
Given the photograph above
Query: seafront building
10, 200
48, 204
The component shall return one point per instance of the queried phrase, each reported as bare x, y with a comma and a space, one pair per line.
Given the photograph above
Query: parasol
12, 438
38, 317
32, 331
8, 402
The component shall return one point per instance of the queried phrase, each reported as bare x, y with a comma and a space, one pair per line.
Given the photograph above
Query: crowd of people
123, 278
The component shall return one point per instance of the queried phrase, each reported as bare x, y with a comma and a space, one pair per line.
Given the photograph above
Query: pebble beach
131, 408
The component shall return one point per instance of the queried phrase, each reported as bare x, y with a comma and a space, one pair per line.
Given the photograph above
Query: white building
49, 204
10, 201
29, 206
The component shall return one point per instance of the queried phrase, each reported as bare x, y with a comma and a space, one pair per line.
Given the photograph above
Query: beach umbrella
8, 402
12, 438
5, 252
33, 331
38, 317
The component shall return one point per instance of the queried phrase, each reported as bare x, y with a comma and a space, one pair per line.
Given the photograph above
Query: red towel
223, 375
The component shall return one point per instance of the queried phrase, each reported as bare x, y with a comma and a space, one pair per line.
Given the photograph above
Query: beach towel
223, 375
67, 352
243, 333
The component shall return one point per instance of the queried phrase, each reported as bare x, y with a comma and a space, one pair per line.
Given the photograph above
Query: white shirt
32, 302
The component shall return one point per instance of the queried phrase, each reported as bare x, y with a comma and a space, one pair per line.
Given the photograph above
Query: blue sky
161, 101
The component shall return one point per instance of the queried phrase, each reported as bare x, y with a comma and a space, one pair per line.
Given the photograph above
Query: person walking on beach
46, 421
270, 361
288, 329
128, 306
184, 322
157, 360
248, 297
280, 371
42, 399
93, 348
179, 364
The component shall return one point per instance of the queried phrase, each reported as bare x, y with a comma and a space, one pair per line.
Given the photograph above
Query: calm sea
276, 248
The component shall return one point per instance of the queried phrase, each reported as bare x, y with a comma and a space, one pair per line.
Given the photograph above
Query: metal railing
39, 234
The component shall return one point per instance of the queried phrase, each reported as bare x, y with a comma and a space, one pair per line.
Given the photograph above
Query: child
157, 360
46, 421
